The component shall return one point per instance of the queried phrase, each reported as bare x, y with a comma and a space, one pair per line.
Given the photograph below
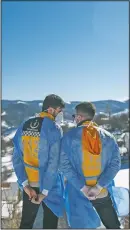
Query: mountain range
14, 112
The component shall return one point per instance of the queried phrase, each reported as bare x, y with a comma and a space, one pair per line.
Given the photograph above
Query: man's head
84, 111
53, 104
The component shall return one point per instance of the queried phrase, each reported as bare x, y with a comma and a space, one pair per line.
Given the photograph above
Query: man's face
78, 117
56, 111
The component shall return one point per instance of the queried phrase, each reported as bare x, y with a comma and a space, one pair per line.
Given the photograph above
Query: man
36, 161
95, 157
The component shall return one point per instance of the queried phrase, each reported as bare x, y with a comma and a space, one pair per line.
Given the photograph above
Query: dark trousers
107, 213
29, 212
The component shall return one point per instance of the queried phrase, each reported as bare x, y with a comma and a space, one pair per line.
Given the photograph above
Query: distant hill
14, 112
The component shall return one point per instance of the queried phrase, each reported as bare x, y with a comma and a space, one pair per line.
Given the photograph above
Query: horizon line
123, 100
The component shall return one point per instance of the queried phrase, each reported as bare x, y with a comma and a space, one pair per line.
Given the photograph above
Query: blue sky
78, 50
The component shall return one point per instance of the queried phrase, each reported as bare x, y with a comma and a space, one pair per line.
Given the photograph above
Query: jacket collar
83, 122
86, 122
45, 114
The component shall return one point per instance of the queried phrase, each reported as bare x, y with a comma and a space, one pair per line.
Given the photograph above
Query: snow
7, 166
125, 137
105, 118
122, 178
40, 104
21, 102
20, 204
103, 113
6, 210
4, 113
122, 150
4, 124
7, 163
9, 195
9, 191
123, 99
6, 159
71, 124
119, 113
68, 123
19, 207
118, 132
9, 149
12, 178
68, 102
9, 137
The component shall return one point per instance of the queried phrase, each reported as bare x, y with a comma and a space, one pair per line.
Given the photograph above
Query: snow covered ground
12, 179
7, 162
9, 195
10, 136
6, 210
6, 166
40, 104
4, 113
6, 159
4, 124
122, 178
119, 113
21, 102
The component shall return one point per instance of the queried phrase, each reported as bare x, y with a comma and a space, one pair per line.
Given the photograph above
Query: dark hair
53, 101
86, 108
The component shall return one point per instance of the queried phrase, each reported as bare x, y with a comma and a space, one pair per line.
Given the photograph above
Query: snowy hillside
14, 112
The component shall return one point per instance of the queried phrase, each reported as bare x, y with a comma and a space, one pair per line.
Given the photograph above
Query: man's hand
39, 199
30, 192
93, 192
85, 190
